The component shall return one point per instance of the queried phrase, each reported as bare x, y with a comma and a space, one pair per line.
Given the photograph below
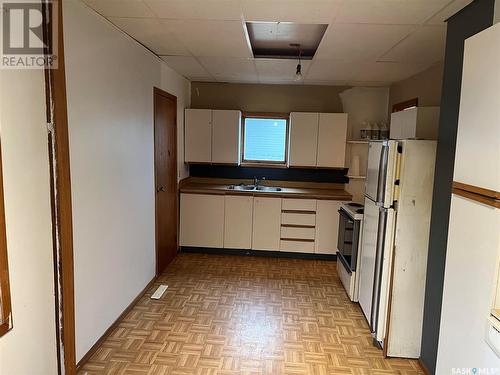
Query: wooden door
165, 134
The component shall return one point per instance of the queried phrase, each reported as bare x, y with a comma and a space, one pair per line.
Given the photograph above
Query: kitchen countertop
309, 190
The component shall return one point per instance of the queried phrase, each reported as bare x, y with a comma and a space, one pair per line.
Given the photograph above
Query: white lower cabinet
327, 226
259, 223
266, 223
238, 222
202, 220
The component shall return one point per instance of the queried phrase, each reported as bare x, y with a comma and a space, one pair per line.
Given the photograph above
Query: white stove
349, 246
355, 210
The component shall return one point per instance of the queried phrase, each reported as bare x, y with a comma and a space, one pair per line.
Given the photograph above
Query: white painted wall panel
30, 348
110, 80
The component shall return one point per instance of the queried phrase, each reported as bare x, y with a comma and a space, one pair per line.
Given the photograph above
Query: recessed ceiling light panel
278, 40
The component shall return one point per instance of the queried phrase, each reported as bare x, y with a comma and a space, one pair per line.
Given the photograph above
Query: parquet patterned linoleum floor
228, 315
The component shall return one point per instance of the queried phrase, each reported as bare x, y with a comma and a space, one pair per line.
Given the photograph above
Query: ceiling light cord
298, 71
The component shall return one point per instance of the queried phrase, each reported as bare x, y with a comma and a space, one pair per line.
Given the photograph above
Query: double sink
243, 187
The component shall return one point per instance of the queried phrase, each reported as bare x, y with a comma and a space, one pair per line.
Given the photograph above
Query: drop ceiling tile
331, 70
355, 42
426, 44
398, 12
211, 38
303, 11
448, 11
387, 71
120, 8
274, 70
150, 32
188, 66
230, 69
196, 9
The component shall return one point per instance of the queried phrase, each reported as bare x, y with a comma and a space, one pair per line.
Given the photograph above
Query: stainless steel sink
268, 188
253, 188
242, 187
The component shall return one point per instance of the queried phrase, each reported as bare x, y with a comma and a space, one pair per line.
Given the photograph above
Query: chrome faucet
257, 181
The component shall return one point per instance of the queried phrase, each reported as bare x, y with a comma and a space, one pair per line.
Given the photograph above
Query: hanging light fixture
298, 70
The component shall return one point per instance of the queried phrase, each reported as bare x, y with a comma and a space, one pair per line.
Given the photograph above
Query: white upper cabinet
415, 123
226, 137
332, 135
317, 139
303, 139
198, 135
212, 136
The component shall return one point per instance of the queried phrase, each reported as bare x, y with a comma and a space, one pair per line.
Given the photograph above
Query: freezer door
375, 165
367, 256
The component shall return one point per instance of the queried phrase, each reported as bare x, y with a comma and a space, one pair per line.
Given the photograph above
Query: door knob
161, 189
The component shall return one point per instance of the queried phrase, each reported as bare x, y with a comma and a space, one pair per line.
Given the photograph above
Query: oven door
346, 240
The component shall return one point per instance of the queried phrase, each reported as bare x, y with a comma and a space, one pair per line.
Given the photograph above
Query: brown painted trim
5, 298
423, 367
477, 194
157, 91
297, 239
477, 190
276, 115
115, 324
297, 226
398, 107
298, 212
61, 197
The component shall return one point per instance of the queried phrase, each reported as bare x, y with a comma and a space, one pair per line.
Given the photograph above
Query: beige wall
266, 98
110, 80
426, 86
30, 348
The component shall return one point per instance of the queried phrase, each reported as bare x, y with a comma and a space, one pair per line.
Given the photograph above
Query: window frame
5, 297
265, 115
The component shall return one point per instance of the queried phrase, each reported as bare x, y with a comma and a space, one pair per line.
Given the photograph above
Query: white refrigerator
398, 201
470, 316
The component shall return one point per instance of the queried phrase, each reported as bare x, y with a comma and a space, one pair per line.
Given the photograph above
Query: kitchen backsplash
281, 174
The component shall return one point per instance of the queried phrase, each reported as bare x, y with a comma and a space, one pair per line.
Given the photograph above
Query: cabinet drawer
297, 246
298, 233
299, 204
298, 219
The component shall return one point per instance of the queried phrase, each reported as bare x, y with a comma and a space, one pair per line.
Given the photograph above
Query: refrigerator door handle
382, 174
377, 278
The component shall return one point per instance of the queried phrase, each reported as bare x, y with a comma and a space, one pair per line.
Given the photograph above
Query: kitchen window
5, 306
265, 139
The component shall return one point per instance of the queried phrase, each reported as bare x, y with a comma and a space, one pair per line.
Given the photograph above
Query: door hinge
50, 127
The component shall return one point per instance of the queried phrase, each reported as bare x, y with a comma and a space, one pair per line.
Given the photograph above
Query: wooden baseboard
423, 367
105, 335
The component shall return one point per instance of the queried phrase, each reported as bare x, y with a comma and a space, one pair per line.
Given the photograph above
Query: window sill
263, 165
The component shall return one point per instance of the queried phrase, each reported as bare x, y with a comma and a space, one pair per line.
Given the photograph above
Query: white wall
176, 85
363, 104
30, 348
469, 286
110, 80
